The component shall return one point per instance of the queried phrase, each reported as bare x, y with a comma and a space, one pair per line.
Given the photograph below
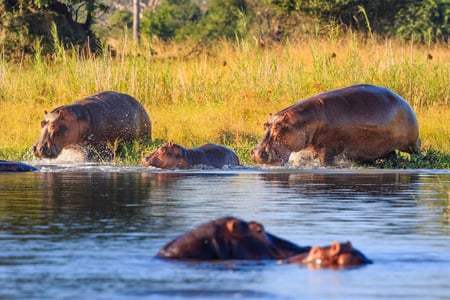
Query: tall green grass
224, 92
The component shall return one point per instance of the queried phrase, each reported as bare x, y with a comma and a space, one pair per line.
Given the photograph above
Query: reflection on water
92, 232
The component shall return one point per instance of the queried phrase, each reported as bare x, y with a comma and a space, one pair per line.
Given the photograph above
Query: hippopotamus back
113, 115
14, 166
229, 238
171, 156
363, 122
94, 123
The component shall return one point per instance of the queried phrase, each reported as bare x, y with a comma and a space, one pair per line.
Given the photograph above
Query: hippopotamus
171, 156
229, 238
361, 122
93, 123
14, 166
337, 255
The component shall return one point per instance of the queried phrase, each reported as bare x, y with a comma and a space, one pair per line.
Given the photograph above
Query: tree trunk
136, 21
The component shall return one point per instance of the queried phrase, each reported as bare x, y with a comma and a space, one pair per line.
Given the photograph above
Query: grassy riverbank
224, 93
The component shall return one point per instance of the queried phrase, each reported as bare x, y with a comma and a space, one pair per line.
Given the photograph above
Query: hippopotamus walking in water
229, 238
361, 122
93, 123
171, 156
14, 166
337, 255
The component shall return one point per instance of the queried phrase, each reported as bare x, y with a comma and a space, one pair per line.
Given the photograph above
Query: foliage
428, 159
118, 25
174, 19
424, 21
179, 19
420, 20
224, 19
224, 93
29, 24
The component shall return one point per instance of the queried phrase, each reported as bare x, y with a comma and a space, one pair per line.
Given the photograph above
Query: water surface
91, 232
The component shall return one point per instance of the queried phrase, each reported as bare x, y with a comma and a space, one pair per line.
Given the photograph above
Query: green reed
222, 92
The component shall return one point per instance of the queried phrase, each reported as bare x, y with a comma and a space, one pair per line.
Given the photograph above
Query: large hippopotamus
94, 124
171, 156
229, 238
14, 166
361, 122
337, 255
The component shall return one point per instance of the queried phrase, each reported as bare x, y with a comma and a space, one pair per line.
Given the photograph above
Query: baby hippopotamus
174, 156
337, 255
229, 238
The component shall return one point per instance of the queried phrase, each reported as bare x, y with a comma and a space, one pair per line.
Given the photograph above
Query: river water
91, 232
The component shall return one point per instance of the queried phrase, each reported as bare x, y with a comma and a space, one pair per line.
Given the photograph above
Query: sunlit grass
223, 93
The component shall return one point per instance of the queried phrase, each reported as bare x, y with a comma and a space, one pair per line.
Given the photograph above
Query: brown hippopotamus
93, 123
361, 122
171, 156
337, 255
14, 166
229, 238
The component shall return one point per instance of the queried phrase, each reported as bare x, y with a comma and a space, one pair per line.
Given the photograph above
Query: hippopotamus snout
259, 155
274, 156
45, 150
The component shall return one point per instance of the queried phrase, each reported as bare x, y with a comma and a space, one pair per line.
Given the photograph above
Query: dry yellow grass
224, 93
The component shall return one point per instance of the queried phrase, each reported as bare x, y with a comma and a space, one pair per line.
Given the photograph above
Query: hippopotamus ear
230, 225
45, 112
61, 114
335, 248
256, 227
285, 119
236, 227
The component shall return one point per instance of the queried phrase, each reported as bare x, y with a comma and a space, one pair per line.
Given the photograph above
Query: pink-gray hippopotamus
94, 124
361, 122
174, 156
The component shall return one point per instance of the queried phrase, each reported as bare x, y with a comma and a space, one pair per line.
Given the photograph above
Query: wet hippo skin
229, 238
337, 255
174, 156
361, 123
13, 166
94, 124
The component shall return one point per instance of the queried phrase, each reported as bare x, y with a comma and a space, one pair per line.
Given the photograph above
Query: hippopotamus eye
43, 123
61, 131
256, 227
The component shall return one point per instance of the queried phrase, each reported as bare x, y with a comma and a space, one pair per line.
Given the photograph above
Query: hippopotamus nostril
264, 155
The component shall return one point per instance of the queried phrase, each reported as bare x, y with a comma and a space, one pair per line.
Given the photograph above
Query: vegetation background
212, 71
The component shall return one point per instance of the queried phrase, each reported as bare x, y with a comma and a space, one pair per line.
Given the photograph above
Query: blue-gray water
92, 232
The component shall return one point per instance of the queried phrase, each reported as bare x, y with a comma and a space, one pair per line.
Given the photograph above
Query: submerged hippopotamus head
59, 128
167, 156
282, 137
229, 238
337, 255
